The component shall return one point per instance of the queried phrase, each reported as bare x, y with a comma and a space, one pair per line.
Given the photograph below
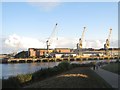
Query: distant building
57, 52
35, 52
63, 50
62, 55
38, 52
31, 52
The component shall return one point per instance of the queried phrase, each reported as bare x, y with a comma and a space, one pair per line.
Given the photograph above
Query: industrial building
39, 52
79, 51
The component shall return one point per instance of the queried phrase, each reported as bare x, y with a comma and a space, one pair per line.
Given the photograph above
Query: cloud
16, 42
46, 5
23, 42
13, 40
65, 42
94, 44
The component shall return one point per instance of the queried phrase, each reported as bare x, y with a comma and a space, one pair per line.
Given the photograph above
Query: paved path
109, 77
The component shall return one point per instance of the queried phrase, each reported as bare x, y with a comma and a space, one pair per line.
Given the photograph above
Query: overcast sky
29, 24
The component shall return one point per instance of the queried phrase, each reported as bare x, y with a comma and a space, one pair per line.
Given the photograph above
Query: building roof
64, 53
40, 48
62, 48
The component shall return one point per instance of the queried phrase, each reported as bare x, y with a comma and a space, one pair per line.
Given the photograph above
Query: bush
44, 73
16, 82
37, 74
65, 65
11, 82
23, 78
73, 65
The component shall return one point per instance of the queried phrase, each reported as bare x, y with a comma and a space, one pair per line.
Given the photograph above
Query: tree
22, 54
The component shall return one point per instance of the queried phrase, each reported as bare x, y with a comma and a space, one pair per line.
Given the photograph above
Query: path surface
111, 78
76, 78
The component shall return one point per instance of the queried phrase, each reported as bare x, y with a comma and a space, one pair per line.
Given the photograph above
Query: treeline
22, 54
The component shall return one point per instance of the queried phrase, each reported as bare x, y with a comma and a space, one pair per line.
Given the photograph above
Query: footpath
111, 78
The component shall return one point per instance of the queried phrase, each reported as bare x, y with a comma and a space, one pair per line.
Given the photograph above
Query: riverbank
113, 67
80, 77
13, 69
27, 79
36, 60
65, 75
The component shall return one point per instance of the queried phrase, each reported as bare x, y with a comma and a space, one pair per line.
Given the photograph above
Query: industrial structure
59, 52
107, 44
41, 52
80, 53
80, 44
89, 56
51, 38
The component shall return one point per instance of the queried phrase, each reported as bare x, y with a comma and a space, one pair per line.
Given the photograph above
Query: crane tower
49, 41
80, 44
107, 44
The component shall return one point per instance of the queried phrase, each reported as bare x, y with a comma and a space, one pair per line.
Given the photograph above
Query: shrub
73, 65
44, 73
23, 78
37, 74
11, 82
65, 65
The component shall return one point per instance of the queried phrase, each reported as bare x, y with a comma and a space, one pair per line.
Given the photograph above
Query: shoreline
38, 60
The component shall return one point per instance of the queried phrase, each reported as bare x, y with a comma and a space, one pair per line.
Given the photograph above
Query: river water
7, 70
14, 69
23, 68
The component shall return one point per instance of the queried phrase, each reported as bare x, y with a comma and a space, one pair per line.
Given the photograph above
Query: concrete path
109, 77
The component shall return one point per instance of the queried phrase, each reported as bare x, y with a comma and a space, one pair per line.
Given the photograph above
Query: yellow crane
107, 44
80, 44
49, 41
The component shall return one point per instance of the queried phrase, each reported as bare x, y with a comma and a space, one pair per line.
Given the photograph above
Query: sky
29, 24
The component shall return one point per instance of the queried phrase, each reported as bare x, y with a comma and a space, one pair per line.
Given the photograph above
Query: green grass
113, 67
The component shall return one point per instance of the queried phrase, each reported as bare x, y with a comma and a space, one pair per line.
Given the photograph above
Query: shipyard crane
49, 41
80, 44
81, 39
107, 44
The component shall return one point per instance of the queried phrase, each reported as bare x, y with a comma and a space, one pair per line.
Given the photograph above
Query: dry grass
74, 79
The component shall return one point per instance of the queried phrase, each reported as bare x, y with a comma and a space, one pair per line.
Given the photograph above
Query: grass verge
113, 67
